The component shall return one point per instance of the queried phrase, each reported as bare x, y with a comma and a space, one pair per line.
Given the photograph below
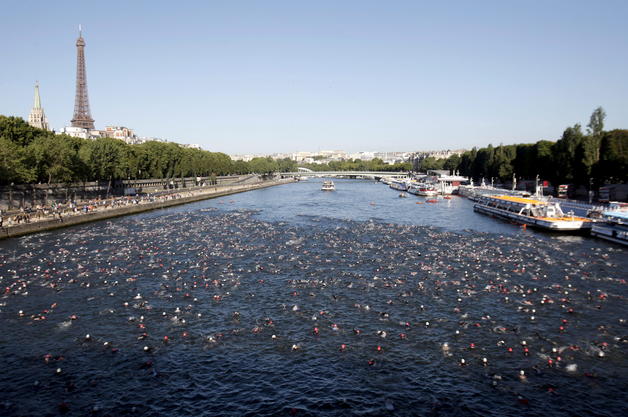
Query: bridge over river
304, 172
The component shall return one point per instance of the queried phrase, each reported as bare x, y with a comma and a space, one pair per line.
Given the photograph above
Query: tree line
576, 158
30, 155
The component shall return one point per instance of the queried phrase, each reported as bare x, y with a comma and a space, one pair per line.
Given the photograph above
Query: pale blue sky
281, 76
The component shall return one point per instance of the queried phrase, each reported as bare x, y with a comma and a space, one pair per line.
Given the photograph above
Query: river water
293, 301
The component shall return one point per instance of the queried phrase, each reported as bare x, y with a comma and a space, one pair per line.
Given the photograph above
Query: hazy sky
279, 76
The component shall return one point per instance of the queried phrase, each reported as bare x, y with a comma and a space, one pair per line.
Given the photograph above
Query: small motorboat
328, 186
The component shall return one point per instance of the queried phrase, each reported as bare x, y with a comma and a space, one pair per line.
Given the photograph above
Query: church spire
37, 103
37, 117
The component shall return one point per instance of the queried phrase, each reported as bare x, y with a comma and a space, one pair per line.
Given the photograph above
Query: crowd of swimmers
516, 316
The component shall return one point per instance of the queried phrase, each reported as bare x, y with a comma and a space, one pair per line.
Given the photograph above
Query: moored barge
542, 214
614, 227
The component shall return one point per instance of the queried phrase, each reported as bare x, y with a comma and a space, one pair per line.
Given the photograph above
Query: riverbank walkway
57, 215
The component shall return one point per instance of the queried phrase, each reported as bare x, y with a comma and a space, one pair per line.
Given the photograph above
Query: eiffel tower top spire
82, 116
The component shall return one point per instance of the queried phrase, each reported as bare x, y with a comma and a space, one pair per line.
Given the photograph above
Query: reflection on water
290, 301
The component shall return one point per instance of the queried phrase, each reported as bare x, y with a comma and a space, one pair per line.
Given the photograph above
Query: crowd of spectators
60, 210
56, 210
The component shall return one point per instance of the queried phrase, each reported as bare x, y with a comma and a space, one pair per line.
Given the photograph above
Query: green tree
430, 163
16, 130
104, 159
543, 160
613, 164
565, 153
241, 167
483, 163
452, 163
596, 122
55, 158
286, 165
467, 161
263, 165
13, 168
502, 163
590, 152
585, 157
524, 164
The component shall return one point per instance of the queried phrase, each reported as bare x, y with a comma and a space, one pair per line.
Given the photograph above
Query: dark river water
292, 301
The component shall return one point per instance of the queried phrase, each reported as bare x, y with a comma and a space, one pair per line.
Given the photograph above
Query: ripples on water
239, 296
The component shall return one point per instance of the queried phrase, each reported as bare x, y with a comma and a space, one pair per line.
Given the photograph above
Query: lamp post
590, 190
11, 197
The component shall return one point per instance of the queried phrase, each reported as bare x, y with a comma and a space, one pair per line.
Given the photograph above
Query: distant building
151, 139
119, 132
37, 117
193, 146
245, 158
417, 157
364, 156
136, 141
332, 155
392, 158
122, 133
300, 156
437, 154
81, 132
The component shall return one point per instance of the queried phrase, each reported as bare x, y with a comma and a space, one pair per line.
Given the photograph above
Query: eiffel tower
82, 117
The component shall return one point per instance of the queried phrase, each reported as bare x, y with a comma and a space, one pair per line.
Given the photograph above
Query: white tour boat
399, 185
423, 189
328, 186
449, 184
528, 211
